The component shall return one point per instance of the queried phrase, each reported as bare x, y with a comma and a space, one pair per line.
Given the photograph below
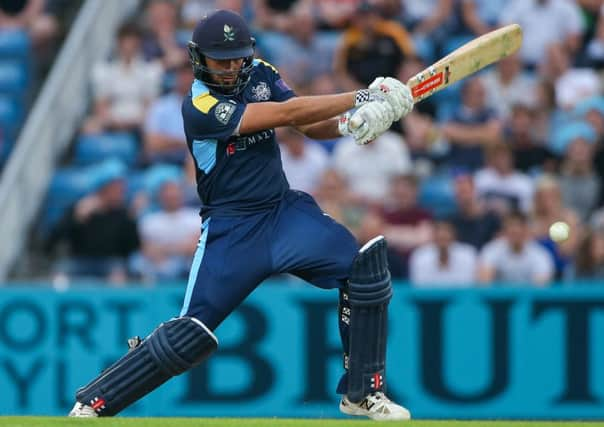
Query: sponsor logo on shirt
244, 142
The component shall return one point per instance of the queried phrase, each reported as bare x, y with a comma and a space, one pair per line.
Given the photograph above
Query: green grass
268, 422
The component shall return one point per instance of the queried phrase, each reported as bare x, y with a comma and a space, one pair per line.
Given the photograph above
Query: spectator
336, 200
592, 111
570, 131
431, 24
507, 85
595, 47
426, 16
410, 68
579, 183
548, 209
443, 262
422, 137
160, 41
168, 237
473, 223
472, 127
124, 87
369, 168
572, 84
407, 224
544, 23
335, 14
275, 15
191, 11
501, 187
99, 231
371, 224
529, 152
515, 258
302, 54
589, 262
303, 161
547, 114
31, 16
164, 136
596, 221
371, 47
481, 16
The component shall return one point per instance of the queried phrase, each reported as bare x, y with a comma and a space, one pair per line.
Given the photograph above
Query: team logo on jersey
261, 92
229, 33
224, 111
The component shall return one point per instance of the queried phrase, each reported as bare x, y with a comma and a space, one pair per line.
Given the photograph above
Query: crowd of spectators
30, 35
465, 188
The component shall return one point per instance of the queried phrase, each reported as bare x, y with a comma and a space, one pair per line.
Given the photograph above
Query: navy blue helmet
222, 35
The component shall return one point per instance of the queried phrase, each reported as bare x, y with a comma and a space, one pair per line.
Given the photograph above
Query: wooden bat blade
465, 60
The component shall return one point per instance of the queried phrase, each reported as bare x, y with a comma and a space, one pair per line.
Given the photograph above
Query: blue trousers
235, 254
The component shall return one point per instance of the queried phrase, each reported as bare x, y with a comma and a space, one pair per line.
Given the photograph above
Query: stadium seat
91, 149
570, 131
66, 187
14, 76
14, 44
157, 175
6, 146
72, 183
436, 194
152, 181
135, 183
11, 115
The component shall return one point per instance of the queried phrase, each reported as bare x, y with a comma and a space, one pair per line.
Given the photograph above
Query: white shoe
82, 411
377, 407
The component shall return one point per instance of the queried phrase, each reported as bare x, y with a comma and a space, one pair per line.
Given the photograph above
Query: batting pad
174, 347
369, 292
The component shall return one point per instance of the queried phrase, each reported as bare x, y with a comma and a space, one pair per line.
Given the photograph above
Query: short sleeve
152, 73
417, 266
542, 263
490, 254
208, 117
280, 91
154, 118
146, 226
101, 80
512, 13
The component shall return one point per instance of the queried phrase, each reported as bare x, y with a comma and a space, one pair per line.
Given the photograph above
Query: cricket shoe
377, 407
82, 411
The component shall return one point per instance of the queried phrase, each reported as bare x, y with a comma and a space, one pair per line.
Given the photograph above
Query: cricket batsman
254, 226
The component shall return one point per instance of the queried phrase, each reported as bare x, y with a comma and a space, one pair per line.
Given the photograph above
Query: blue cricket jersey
236, 174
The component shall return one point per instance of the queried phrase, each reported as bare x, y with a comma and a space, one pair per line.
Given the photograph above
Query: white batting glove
368, 122
396, 93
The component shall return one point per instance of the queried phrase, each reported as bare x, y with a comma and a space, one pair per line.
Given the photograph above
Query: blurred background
490, 194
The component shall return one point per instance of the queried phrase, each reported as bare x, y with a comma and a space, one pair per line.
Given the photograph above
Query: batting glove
392, 91
368, 122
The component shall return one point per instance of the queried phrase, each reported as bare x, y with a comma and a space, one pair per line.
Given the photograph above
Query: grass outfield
268, 422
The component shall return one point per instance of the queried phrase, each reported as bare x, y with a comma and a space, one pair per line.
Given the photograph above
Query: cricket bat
463, 61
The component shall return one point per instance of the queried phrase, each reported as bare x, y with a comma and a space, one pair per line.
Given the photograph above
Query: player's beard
225, 78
